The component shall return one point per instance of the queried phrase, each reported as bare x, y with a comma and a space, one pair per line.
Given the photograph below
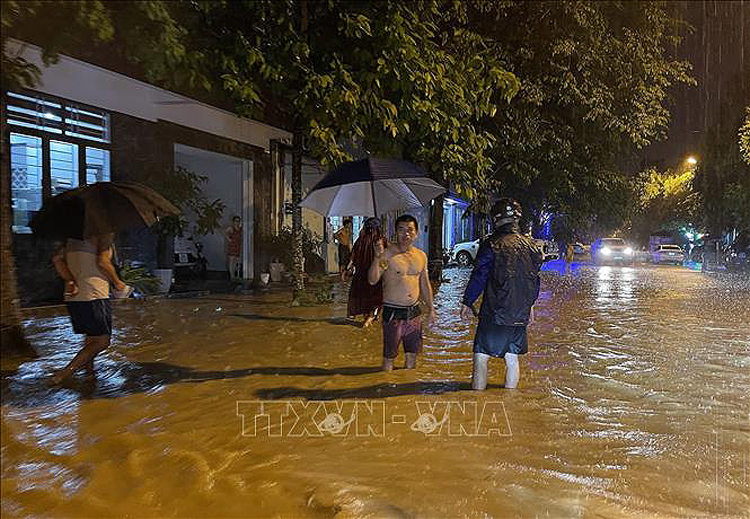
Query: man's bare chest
405, 264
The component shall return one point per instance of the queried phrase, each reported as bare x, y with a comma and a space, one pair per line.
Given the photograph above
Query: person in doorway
87, 269
344, 237
364, 298
507, 271
233, 246
403, 270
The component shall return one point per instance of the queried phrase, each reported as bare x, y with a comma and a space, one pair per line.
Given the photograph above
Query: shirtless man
403, 269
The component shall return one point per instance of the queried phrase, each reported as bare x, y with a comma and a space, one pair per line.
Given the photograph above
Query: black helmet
506, 210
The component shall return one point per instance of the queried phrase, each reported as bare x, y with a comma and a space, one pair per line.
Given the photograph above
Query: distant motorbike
189, 260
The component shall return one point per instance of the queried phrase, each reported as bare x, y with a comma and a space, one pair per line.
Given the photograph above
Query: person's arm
478, 280
376, 270
425, 292
104, 261
61, 266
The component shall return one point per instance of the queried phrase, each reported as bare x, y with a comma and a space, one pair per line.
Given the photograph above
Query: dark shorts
91, 317
497, 339
401, 325
344, 256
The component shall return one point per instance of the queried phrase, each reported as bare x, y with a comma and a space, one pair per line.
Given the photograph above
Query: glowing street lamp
692, 160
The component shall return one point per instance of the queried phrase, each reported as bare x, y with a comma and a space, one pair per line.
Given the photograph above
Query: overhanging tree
723, 174
594, 80
666, 202
406, 79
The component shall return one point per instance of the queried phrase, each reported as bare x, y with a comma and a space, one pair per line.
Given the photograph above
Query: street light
692, 160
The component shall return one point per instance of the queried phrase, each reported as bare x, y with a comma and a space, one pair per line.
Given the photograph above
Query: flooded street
632, 403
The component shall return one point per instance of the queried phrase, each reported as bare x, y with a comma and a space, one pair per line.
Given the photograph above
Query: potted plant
140, 279
277, 250
183, 188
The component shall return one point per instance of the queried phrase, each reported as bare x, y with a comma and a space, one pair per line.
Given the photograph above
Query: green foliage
723, 175
666, 202
542, 100
182, 187
744, 137
400, 78
140, 279
594, 79
55, 26
278, 248
737, 201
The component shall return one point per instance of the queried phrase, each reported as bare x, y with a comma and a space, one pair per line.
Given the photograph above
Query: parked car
465, 253
668, 254
611, 250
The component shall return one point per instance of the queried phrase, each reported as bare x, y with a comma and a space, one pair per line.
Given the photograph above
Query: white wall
86, 83
225, 183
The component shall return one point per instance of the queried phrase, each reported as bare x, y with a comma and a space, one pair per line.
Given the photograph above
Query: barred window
55, 145
40, 113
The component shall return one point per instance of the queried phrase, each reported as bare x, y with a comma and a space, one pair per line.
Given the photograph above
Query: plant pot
165, 279
276, 270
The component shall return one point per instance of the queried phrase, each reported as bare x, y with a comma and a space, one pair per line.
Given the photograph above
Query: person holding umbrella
364, 299
87, 269
87, 218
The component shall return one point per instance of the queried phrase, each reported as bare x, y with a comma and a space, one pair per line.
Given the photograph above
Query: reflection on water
632, 402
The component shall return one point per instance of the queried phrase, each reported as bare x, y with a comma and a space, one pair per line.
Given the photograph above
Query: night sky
719, 50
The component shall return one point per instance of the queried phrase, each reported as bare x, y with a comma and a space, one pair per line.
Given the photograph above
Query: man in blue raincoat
507, 271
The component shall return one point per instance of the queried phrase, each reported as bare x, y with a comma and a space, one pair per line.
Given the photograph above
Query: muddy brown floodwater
632, 403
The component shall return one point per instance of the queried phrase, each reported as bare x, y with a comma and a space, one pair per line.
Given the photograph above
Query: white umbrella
371, 187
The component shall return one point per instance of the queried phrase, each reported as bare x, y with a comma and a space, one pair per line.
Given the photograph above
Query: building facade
83, 124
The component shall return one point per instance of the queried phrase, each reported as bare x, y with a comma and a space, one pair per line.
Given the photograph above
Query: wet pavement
632, 403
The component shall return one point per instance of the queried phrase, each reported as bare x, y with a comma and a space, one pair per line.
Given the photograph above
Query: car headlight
628, 250
606, 251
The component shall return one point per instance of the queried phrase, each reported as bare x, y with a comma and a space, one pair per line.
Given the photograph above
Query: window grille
37, 112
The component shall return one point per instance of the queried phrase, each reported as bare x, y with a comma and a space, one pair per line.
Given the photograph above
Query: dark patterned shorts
401, 325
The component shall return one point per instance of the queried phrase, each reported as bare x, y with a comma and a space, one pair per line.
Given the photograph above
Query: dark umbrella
100, 208
371, 187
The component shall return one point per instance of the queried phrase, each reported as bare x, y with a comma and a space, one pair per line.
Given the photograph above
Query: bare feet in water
58, 377
368, 321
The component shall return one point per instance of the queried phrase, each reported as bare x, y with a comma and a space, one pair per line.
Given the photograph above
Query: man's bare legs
233, 265
479, 372
410, 363
92, 346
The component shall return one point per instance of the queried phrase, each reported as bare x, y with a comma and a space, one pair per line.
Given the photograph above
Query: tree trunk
12, 340
435, 254
297, 255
